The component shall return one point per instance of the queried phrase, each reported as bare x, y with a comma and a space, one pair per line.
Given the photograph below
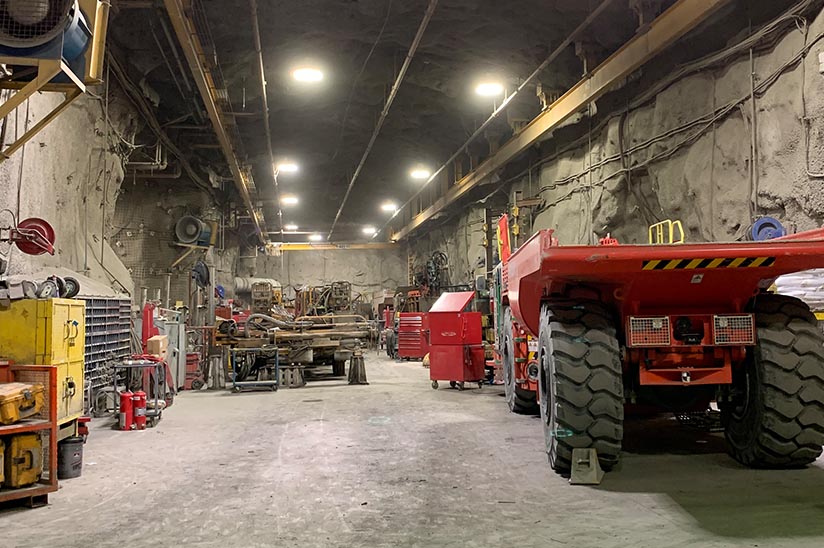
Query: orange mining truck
673, 326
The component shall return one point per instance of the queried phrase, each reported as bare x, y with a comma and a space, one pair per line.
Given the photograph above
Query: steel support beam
671, 25
193, 51
331, 247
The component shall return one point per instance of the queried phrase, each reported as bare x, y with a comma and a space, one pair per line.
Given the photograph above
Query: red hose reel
32, 236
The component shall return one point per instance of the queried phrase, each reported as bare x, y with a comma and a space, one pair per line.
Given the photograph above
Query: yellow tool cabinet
50, 332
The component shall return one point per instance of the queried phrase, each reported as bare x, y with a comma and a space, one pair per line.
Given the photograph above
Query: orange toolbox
20, 401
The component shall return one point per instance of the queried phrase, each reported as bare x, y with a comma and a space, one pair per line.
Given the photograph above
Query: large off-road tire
776, 418
339, 368
581, 386
524, 402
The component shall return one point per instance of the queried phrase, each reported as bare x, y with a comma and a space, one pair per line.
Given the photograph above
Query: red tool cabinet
456, 351
413, 335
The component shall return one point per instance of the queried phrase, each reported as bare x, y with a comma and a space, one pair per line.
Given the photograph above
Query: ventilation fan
50, 45
44, 29
29, 23
192, 231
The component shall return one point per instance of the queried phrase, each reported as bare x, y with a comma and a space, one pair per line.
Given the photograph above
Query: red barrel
126, 421
139, 400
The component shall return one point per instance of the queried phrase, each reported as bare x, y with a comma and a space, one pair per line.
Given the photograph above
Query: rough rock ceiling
326, 127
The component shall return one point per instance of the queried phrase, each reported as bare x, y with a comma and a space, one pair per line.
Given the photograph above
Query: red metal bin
413, 335
456, 351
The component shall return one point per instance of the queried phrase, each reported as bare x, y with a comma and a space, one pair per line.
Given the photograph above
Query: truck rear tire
581, 383
339, 369
777, 419
523, 402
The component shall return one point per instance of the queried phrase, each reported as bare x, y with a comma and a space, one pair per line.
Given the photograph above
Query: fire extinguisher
139, 400
126, 410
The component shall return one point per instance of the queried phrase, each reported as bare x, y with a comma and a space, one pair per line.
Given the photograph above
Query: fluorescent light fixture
369, 230
287, 167
316, 237
419, 173
389, 207
307, 74
289, 200
489, 89
290, 228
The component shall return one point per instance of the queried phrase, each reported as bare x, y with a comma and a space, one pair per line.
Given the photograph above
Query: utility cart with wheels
456, 351
677, 327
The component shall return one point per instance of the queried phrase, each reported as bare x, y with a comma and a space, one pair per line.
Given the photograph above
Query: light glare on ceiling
389, 207
307, 74
287, 167
419, 174
290, 228
289, 200
489, 89
369, 230
316, 237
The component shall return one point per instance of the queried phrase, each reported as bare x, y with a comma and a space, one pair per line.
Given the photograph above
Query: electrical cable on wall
792, 15
705, 122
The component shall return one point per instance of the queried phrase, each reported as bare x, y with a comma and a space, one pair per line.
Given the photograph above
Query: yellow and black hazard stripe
700, 264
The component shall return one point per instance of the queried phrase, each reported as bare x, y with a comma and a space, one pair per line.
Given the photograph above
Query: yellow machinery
23, 463
50, 332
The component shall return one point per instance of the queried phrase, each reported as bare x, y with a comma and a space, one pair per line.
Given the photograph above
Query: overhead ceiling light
290, 228
489, 89
419, 174
389, 207
289, 200
369, 230
316, 237
307, 74
287, 167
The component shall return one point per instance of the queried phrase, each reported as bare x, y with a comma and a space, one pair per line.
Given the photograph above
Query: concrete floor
396, 463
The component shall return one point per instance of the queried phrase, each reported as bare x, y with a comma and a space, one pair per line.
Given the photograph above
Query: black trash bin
70, 458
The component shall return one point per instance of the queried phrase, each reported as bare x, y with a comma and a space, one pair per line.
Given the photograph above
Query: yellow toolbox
20, 401
50, 332
23, 464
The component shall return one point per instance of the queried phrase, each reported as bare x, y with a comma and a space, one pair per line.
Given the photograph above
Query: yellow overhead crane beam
670, 26
280, 247
183, 25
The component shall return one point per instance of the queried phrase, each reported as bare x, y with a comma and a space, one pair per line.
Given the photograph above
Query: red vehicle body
413, 335
456, 352
675, 325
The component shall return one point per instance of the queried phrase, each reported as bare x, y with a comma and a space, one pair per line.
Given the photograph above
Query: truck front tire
581, 383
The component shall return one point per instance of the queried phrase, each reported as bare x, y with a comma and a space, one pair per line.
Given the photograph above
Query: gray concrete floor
396, 463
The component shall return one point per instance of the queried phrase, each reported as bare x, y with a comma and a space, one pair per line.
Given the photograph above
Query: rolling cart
242, 361
158, 372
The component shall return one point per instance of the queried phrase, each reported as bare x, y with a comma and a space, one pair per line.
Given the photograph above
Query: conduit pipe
265, 99
398, 81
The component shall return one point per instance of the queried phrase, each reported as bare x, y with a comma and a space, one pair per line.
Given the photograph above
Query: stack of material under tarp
807, 286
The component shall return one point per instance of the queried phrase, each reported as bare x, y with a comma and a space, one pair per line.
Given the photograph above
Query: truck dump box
647, 279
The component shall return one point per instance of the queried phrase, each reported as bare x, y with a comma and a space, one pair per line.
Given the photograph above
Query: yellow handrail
665, 232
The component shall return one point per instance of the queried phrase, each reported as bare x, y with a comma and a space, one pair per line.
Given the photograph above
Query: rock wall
143, 236
688, 145
70, 177
462, 240
368, 270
